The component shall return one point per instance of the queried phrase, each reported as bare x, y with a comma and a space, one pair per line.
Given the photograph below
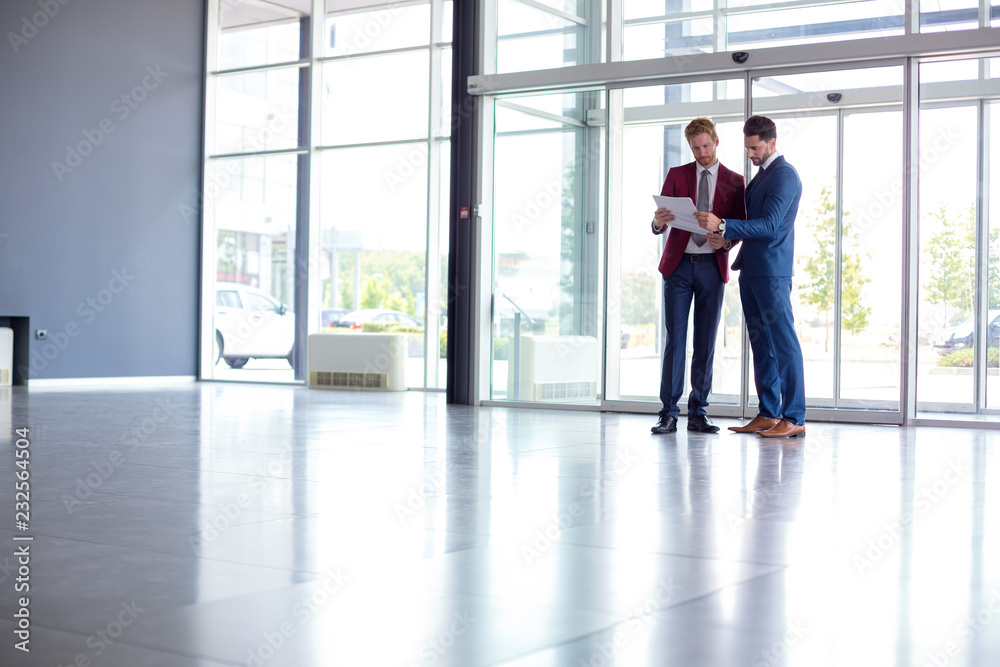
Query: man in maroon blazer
695, 267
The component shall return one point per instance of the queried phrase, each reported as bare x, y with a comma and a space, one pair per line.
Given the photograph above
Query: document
683, 210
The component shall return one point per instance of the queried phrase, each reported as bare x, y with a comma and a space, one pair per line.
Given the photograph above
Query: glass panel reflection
387, 25
254, 33
531, 38
257, 111
666, 28
947, 15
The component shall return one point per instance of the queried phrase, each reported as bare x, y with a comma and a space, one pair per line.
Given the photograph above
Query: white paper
683, 210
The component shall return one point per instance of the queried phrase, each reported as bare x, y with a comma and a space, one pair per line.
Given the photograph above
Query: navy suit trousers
777, 356
699, 282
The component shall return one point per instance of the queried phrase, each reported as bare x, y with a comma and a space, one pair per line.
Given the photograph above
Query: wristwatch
722, 227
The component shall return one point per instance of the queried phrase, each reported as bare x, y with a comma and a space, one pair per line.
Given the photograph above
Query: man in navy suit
765, 263
694, 268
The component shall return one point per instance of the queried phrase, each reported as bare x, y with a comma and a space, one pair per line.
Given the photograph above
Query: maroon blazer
728, 203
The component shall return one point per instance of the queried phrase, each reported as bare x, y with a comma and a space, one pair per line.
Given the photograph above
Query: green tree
951, 259
951, 256
390, 279
820, 266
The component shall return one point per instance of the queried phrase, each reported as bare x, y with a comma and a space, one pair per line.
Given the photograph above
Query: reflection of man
694, 267
765, 264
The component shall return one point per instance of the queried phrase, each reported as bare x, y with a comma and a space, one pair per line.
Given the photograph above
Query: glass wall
383, 214
252, 181
307, 140
844, 130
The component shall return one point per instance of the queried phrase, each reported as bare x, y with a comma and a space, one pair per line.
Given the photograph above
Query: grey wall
97, 251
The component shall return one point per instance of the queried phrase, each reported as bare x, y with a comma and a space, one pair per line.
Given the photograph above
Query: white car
250, 324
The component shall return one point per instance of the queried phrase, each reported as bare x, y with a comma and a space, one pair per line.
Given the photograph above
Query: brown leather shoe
784, 429
759, 423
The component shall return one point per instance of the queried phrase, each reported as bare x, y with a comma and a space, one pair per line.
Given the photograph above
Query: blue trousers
699, 282
777, 356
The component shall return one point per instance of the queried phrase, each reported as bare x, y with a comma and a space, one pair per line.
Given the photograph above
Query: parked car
358, 318
329, 317
960, 337
250, 324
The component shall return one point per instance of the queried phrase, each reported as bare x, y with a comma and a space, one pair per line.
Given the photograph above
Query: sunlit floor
234, 524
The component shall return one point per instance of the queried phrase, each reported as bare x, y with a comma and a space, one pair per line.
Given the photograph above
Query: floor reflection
264, 525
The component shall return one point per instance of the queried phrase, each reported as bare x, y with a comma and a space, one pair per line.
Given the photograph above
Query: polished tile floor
233, 524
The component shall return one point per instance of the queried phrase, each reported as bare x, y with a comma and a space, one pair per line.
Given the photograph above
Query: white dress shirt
713, 178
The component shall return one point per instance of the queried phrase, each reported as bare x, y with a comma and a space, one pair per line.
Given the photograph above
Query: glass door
547, 171
959, 241
843, 130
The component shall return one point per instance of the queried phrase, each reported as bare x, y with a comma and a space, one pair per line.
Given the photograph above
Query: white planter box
555, 368
357, 361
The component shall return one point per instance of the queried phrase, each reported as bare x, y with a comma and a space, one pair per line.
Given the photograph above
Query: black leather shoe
667, 424
702, 424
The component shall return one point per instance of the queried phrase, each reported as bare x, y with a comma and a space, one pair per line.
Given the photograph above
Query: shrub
389, 327
963, 358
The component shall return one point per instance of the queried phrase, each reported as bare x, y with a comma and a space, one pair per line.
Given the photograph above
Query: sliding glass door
547, 171
843, 131
648, 125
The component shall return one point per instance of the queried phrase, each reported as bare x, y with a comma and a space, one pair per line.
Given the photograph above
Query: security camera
833, 97
740, 57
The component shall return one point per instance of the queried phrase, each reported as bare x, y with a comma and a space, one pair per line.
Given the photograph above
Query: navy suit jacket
768, 233
681, 182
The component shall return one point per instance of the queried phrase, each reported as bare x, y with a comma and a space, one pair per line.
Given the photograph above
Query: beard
762, 159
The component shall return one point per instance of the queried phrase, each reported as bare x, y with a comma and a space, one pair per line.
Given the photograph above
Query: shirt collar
770, 160
713, 170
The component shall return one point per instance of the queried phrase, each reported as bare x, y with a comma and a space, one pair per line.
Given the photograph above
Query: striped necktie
702, 205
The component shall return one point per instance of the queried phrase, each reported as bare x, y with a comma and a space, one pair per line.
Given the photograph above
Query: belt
698, 257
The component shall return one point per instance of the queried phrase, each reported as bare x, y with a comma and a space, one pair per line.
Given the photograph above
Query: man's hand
662, 217
715, 241
707, 220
